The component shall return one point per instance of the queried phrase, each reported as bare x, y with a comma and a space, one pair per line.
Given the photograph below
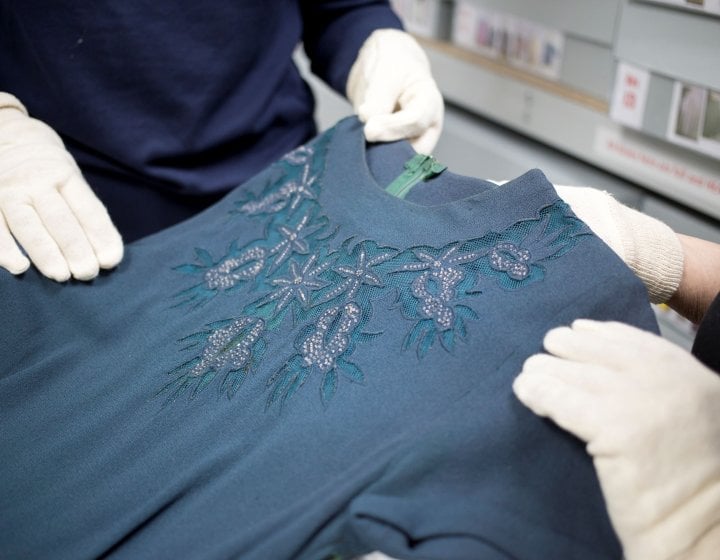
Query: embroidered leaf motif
286, 381
426, 342
203, 256
329, 386
463, 311
367, 336
447, 339
202, 383
350, 371
174, 389
416, 333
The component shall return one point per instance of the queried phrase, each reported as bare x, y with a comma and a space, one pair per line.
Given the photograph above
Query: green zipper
419, 168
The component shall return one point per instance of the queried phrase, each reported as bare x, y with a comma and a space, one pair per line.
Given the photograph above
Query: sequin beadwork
323, 288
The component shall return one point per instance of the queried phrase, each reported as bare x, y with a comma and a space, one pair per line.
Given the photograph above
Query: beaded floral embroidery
319, 290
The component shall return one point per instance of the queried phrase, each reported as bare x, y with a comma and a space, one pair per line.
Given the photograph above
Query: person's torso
184, 96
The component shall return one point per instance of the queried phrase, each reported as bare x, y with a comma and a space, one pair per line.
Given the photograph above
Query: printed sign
629, 95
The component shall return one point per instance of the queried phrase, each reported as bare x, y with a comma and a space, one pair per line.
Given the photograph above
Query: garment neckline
351, 192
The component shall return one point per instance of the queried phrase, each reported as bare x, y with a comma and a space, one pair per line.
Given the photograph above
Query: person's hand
649, 247
650, 414
46, 206
393, 92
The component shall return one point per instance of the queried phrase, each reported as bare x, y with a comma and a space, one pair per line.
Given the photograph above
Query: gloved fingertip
59, 273
376, 106
111, 255
519, 385
586, 325
524, 387
556, 337
59, 277
17, 265
87, 272
426, 142
386, 128
362, 113
373, 135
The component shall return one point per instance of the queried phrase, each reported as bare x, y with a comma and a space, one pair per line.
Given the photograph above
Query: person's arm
677, 269
360, 50
46, 207
335, 30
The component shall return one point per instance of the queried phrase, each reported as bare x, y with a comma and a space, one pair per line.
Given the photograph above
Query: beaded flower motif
321, 291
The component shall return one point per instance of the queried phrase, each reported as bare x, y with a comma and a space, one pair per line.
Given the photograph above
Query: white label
629, 95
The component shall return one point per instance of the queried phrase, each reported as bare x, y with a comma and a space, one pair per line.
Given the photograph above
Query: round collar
352, 197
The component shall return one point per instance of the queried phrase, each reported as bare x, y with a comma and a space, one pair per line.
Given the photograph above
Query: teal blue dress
311, 368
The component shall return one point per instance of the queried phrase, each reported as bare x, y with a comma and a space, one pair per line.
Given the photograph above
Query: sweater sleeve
334, 31
705, 347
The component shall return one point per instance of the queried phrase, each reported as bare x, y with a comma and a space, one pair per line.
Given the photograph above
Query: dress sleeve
334, 31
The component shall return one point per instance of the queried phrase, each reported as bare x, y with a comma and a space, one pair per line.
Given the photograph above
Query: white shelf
575, 123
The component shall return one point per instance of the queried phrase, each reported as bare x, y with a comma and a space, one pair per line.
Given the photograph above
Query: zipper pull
419, 168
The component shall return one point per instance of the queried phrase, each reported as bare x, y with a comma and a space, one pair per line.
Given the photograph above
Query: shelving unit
575, 123
572, 112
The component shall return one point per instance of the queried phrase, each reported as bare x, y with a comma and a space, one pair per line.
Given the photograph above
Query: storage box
566, 49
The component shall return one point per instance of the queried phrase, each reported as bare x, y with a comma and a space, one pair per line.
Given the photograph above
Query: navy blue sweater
167, 105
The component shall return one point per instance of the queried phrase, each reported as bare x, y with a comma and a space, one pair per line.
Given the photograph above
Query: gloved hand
650, 414
649, 247
46, 204
393, 92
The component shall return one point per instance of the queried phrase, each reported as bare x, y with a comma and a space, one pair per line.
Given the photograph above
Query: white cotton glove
649, 247
393, 92
46, 204
650, 414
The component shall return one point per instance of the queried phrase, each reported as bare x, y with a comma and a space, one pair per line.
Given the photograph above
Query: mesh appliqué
322, 288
